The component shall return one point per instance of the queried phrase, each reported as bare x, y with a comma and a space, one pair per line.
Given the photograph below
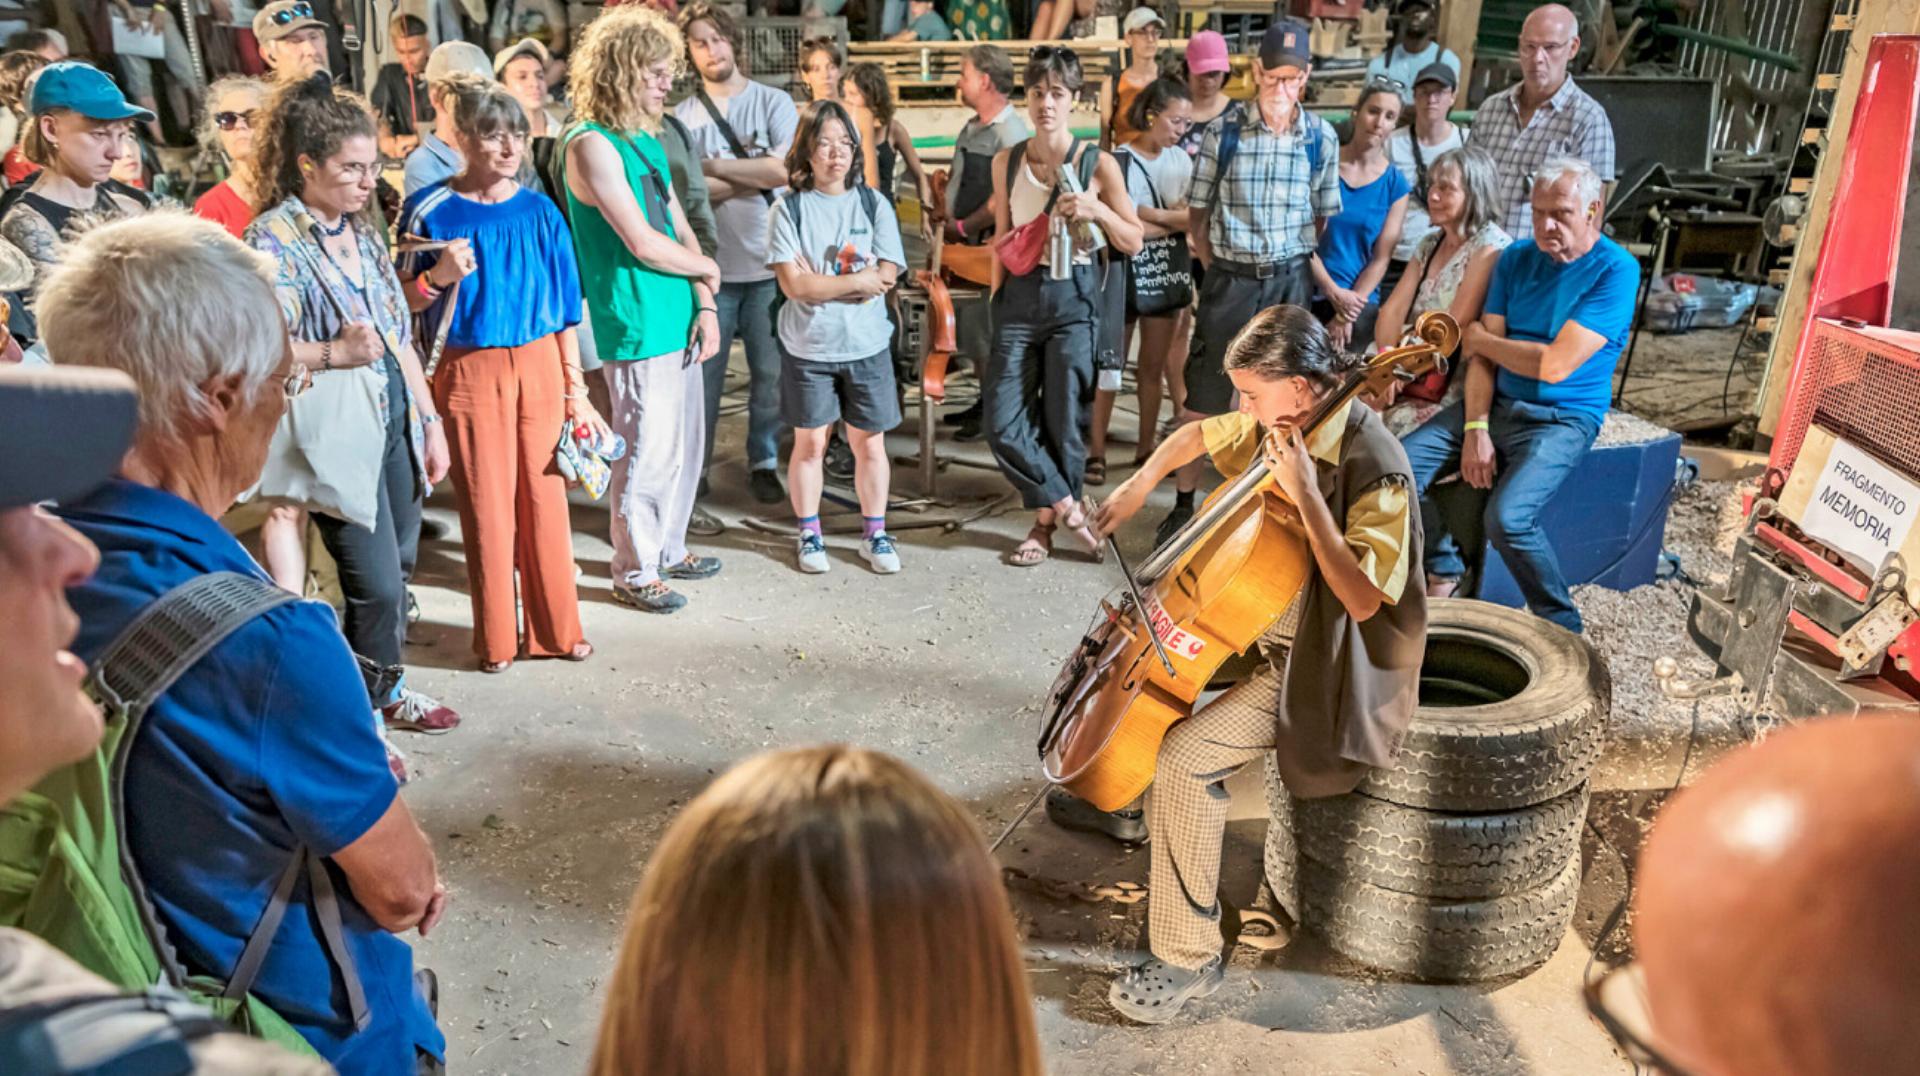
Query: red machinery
1812, 621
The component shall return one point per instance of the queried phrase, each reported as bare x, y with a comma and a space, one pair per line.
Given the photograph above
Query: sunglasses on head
287, 15
1385, 83
227, 121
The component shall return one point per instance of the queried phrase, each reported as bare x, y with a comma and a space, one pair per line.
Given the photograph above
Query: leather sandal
1035, 549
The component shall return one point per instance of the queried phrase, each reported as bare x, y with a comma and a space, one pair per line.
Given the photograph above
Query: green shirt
638, 312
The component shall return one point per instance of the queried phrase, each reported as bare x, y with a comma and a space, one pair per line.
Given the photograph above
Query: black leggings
375, 565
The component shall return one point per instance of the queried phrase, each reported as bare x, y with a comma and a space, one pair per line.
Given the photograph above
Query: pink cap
1207, 53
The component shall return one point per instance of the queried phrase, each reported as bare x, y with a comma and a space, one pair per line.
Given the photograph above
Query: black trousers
1228, 301
375, 565
1038, 382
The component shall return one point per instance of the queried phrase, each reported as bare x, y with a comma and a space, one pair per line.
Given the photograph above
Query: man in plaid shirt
1546, 115
1255, 213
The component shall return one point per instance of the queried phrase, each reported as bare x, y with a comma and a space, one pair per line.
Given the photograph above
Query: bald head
1777, 912
1548, 41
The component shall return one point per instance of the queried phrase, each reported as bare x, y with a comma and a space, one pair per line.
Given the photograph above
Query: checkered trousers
1570, 124
1187, 815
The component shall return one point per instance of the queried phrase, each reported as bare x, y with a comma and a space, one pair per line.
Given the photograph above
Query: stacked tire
1462, 863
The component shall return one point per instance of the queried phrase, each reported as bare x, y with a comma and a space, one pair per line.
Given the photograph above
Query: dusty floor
546, 803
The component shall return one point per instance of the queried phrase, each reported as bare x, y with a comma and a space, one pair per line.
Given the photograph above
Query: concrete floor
546, 803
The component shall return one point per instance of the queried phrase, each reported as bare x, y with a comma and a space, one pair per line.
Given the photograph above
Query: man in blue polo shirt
1539, 378
267, 744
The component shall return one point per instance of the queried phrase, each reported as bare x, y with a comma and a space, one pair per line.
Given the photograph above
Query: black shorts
815, 394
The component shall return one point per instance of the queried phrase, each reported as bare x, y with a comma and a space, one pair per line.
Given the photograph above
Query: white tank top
1028, 199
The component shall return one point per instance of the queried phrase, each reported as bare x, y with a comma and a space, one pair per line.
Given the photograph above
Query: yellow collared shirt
1377, 526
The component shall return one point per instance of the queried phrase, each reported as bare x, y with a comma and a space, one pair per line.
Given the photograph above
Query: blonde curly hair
605, 69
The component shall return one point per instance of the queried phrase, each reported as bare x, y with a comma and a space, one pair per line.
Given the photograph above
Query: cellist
1344, 660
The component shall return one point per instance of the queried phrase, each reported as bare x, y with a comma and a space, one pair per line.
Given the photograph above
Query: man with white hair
1545, 115
1538, 380
263, 754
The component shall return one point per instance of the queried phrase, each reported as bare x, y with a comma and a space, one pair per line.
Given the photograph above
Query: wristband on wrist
714, 310
1476, 424
428, 420
326, 355
960, 227
425, 287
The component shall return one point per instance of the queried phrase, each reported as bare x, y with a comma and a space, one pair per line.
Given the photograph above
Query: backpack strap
169, 637
726, 130
1230, 146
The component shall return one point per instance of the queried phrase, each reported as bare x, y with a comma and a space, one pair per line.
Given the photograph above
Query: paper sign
1174, 638
1860, 507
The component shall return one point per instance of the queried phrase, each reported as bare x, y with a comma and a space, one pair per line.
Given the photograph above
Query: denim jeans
746, 311
1535, 448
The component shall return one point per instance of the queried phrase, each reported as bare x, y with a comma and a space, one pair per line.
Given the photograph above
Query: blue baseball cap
85, 89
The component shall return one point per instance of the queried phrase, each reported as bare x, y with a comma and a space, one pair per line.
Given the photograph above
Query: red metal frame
1853, 273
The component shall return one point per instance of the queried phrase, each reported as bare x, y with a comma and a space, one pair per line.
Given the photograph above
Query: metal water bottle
1059, 249
1087, 237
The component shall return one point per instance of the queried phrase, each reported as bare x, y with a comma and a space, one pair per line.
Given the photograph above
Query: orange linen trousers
503, 407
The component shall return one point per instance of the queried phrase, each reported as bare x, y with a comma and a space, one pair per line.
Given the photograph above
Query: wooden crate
922, 71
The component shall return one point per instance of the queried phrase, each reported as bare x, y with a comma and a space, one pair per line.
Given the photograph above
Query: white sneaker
812, 552
879, 553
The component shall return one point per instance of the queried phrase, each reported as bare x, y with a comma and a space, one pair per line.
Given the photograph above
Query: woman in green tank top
649, 291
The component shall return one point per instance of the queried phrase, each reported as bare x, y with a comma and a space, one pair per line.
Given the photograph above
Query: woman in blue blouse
1359, 241
510, 376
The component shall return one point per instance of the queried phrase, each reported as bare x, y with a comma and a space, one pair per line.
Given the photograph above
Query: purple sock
874, 525
810, 523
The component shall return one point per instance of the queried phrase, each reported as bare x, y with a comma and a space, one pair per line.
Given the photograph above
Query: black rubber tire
1435, 854
1440, 940
1537, 742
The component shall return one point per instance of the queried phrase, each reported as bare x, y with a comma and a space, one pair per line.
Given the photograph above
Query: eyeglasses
297, 382
227, 121
287, 15
1611, 988
833, 147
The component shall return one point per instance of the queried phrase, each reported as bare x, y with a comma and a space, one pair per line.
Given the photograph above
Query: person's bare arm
1197, 238
1376, 268
757, 173
803, 284
596, 177
1107, 205
392, 873
1002, 215
720, 190
706, 316
1551, 362
1396, 309
1477, 464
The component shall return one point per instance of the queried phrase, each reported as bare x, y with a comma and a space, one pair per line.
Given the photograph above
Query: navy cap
1438, 72
63, 430
1285, 45
85, 89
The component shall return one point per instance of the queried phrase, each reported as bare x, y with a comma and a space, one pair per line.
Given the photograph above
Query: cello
1206, 595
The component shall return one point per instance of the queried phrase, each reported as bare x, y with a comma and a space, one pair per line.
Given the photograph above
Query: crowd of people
567, 261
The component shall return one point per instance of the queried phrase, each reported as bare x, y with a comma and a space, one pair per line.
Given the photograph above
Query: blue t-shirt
1538, 296
266, 743
525, 284
1347, 244
433, 161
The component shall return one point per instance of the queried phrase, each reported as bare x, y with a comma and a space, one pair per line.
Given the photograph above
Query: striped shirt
1263, 209
1570, 123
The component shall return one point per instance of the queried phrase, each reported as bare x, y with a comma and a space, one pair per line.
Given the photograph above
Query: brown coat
1351, 688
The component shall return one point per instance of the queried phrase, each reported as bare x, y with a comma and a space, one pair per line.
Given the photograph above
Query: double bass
1204, 596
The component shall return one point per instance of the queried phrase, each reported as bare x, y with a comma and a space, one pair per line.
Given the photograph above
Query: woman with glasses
229, 129
1055, 200
362, 447
834, 246
1158, 176
1144, 28
1415, 149
1359, 240
510, 376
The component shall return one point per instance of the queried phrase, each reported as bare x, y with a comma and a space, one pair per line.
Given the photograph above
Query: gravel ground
1633, 628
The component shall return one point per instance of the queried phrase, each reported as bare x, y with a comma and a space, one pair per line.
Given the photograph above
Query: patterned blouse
1436, 292
313, 288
